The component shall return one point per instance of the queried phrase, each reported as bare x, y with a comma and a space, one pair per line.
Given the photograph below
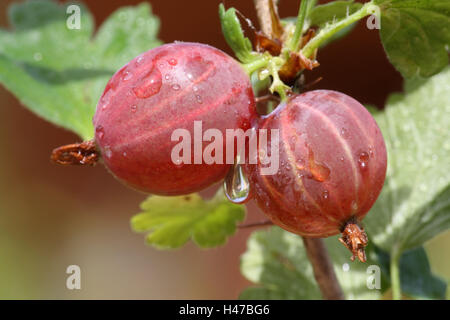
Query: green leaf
416, 277
172, 221
416, 35
333, 11
234, 35
414, 205
276, 260
60, 73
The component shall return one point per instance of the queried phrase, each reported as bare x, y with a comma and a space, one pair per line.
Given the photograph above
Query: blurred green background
52, 217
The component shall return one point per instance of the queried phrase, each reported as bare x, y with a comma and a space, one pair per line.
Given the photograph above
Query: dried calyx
355, 239
84, 153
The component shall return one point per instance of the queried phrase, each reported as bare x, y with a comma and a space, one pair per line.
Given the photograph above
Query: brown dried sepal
354, 238
84, 153
265, 43
296, 63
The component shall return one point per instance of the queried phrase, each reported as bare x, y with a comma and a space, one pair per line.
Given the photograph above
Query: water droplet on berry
236, 186
199, 99
363, 160
139, 60
195, 89
371, 152
124, 154
149, 84
133, 108
319, 171
354, 206
173, 62
325, 194
167, 77
344, 132
176, 87
127, 76
108, 152
100, 132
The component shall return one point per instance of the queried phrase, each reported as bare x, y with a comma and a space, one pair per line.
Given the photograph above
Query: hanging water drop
236, 186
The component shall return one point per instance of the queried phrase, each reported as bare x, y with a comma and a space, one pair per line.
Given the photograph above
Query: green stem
296, 38
395, 275
256, 64
331, 29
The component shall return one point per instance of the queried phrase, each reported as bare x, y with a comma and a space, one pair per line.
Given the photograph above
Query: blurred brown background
52, 217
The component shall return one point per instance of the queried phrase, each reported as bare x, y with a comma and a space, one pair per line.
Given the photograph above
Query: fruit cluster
330, 152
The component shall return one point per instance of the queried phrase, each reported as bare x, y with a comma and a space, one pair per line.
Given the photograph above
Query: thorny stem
331, 29
323, 269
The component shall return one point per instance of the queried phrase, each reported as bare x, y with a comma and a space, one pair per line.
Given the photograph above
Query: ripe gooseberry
165, 89
332, 166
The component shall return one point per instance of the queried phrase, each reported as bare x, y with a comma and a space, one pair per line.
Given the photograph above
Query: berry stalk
323, 269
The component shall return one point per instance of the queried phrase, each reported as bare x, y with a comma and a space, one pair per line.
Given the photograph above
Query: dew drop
167, 77
344, 132
100, 131
371, 152
195, 89
124, 154
139, 60
133, 108
319, 171
149, 84
236, 186
108, 152
325, 194
176, 87
173, 62
363, 160
104, 101
127, 76
354, 206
